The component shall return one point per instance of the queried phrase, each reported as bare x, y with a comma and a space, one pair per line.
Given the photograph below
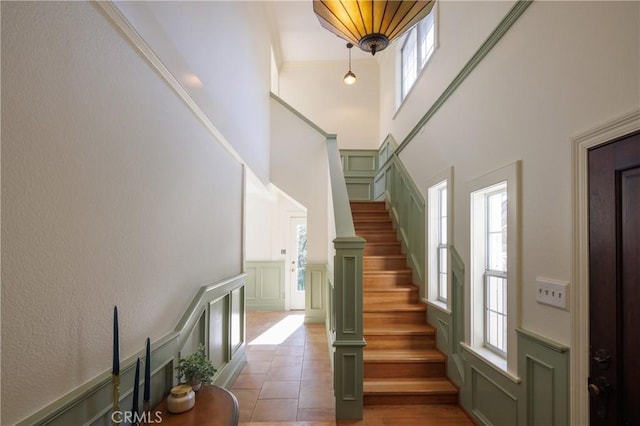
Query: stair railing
344, 316
347, 296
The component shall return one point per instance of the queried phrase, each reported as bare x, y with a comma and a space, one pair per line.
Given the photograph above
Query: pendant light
370, 24
349, 77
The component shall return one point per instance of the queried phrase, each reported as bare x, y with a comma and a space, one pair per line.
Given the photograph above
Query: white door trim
628, 123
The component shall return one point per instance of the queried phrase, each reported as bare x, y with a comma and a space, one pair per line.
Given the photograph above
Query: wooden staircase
401, 362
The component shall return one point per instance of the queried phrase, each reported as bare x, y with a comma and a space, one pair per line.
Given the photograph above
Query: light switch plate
552, 293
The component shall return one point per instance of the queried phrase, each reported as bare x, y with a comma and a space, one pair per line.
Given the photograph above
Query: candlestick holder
115, 379
146, 412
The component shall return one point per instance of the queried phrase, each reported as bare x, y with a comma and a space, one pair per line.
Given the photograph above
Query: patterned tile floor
288, 380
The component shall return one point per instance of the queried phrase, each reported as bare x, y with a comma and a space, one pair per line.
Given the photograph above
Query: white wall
228, 70
268, 210
317, 91
462, 26
113, 193
299, 167
563, 68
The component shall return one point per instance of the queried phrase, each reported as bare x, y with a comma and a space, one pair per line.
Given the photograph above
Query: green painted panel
271, 283
349, 295
360, 188
265, 285
365, 163
491, 403
316, 292
540, 393
237, 319
219, 332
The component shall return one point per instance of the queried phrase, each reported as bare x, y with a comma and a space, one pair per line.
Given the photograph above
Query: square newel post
349, 341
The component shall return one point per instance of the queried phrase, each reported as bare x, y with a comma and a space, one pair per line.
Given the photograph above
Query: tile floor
288, 380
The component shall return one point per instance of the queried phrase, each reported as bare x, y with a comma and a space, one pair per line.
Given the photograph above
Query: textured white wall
221, 52
268, 210
113, 193
554, 75
462, 26
299, 167
316, 90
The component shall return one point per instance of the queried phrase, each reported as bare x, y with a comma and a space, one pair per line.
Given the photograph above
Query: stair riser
368, 206
409, 399
371, 217
381, 250
375, 228
384, 263
393, 370
373, 236
389, 280
373, 319
399, 342
377, 297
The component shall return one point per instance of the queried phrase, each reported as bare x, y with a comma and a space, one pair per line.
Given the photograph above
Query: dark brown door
614, 292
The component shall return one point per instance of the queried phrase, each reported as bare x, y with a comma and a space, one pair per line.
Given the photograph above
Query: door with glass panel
297, 261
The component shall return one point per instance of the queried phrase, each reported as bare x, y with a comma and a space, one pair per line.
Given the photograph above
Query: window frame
510, 176
432, 237
420, 63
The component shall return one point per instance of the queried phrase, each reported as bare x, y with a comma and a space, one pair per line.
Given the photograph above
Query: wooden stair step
403, 356
404, 363
396, 294
394, 307
386, 278
368, 205
409, 336
377, 236
386, 391
420, 329
381, 262
373, 248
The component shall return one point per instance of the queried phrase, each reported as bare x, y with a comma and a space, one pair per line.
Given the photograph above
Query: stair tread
406, 288
404, 330
387, 272
403, 355
409, 386
390, 307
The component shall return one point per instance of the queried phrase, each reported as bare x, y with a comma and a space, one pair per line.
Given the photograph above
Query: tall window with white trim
495, 274
494, 283
437, 250
419, 44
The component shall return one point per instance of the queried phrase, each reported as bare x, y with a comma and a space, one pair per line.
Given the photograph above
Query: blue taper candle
147, 372
116, 346
136, 385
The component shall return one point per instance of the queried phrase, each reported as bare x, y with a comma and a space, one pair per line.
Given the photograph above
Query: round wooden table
215, 406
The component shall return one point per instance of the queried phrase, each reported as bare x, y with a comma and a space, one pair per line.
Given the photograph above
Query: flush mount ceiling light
370, 24
349, 77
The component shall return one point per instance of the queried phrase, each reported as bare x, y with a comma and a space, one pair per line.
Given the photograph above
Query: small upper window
418, 46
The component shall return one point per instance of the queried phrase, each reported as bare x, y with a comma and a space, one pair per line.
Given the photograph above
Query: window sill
496, 362
441, 306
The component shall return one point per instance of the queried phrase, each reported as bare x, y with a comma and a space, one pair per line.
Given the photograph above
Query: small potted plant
196, 369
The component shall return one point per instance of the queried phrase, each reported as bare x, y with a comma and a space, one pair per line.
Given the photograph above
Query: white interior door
297, 261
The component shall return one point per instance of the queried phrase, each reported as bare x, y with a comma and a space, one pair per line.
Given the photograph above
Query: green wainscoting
406, 205
265, 285
315, 293
359, 168
215, 318
540, 394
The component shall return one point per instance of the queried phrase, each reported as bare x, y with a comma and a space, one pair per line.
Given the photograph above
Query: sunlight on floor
279, 332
